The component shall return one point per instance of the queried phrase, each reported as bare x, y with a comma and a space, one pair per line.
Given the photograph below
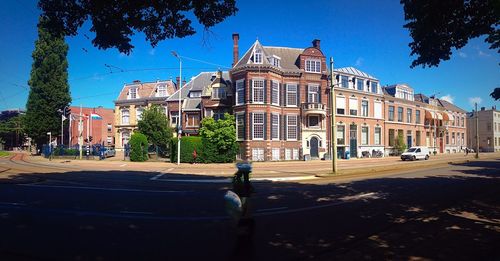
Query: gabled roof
145, 89
191, 104
355, 72
197, 83
450, 106
288, 57
421, 98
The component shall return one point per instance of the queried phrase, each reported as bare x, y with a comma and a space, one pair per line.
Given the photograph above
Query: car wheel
414, 158
426, 157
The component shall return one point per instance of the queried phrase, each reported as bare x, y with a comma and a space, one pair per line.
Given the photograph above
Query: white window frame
363, 112
292, 129
240, 125
125, 115
291, 92
313, 93
358, 82
256, 121
133, 92
353, 101
257, 56
309, 122
109, 127
288, 154
258, 89
275, 126
343, 106
295, 154
313, 66
219, 93
276, 154
174, 118
365, 139
343, 134
275, 93
109, 139
162, 90
240, 92
138, 113
377, 140
258, 154
192, 115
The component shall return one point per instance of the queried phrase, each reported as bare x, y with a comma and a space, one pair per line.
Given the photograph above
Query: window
240, 92
174, 117
240, 126
391, 113
377, 110
418, 138
291, 127
447, 138
353, 106
275, 93
400, 114
258, 126
463, 121
378, 136
364, 108
219, 93
340, 135
192, 120
344, 81
291, 94
218, 115
258, 91
417, 116
133, 92
408, 115
276, 154
288, 154
125, 117
313, 94
257, 56
340, 104
275, 126
125, 137
391, 137
276, 62
162, 90
374, 86
360, 84
139, 113
295, 154
110, 127
258, 154
109, 140
193, 94
313, 121
364, 135
453, 138
313, 66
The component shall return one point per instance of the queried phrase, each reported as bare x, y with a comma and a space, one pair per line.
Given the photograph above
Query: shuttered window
258, 126
291, 127
291, 94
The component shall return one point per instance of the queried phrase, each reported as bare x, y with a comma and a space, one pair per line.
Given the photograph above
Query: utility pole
80, 130
179, 119
333, 126
477, 132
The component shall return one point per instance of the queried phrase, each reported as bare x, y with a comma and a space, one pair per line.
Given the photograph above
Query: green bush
138, 147
400, 145
219, 139
188, 145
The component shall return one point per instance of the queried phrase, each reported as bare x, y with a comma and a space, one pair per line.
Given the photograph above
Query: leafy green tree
155, 125
114, 22
219, 139
12, 131
439, 26
138, 147
400, 145
49, 85
495, 94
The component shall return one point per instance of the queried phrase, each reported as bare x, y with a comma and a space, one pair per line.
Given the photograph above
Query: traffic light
90, 138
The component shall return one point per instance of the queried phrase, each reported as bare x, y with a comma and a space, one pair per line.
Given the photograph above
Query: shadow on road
453, 216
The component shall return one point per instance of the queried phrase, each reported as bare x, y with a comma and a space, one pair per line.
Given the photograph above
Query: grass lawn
3, 153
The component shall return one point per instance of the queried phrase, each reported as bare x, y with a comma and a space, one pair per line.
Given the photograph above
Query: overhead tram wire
136, 70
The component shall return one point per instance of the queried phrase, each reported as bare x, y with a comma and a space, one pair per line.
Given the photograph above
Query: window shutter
245, 96
319, 94
265, 92
282, 127
299, 121
250, 126
283, 94
265, 126
250, 91
285, 127
298, 95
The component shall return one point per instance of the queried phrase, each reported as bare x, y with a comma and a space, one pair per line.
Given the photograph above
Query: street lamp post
333, 122
179, 118
477, 132
63, 117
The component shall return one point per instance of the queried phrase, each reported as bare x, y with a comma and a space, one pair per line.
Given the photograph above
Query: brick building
96, 122
281, 97
489, 130
131, 102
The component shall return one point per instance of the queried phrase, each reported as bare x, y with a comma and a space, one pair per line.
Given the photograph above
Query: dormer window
313, 66
360, 83
257, 56
162, 90
374, 87
194, 94
276, 61
219, 93
133, 93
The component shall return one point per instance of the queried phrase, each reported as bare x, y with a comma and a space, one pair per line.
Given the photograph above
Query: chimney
178, 82
219, 74
316, 43
236, 37
483, 108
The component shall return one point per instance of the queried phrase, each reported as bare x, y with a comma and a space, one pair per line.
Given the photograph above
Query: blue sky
368, 35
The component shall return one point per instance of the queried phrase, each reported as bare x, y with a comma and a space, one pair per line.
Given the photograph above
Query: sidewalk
268, 169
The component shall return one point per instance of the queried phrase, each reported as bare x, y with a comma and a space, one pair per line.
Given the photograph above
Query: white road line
123, 165
136, 212
105, 189
271, 209
157, 176
286, 178
226, 180
12, 203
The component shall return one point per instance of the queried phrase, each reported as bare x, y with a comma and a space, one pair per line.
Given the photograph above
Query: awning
433, 115
448, 116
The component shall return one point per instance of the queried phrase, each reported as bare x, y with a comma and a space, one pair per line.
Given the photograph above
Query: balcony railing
318, 108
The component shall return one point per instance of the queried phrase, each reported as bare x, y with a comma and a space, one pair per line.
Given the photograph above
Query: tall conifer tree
49, 86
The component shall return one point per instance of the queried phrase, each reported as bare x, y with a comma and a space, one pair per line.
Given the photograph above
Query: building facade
489, 130
131, 102
96, 122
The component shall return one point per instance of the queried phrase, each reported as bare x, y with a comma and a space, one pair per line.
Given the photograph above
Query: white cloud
462, 54
359, 61
152, 51
473, 100
448, 98
483, 54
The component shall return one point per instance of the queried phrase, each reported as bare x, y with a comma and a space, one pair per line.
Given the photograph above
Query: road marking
286, 178
226, 180
136, 212
106, 189
12, 203
123, 165
157, 176
271, 209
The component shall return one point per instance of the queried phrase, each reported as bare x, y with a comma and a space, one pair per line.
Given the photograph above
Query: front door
408, 141
353, 140
314, 147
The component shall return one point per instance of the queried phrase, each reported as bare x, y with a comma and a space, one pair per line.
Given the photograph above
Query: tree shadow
456, 216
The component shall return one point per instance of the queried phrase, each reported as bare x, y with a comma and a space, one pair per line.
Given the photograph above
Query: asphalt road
444, 213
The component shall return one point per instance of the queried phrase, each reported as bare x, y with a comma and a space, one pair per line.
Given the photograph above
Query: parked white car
415, 153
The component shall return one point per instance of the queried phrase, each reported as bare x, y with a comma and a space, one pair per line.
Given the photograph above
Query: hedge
138, 147
188, 145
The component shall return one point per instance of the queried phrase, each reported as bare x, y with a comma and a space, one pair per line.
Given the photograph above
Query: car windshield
412, 149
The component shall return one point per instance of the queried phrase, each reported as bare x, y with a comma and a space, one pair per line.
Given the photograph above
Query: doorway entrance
314, 147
